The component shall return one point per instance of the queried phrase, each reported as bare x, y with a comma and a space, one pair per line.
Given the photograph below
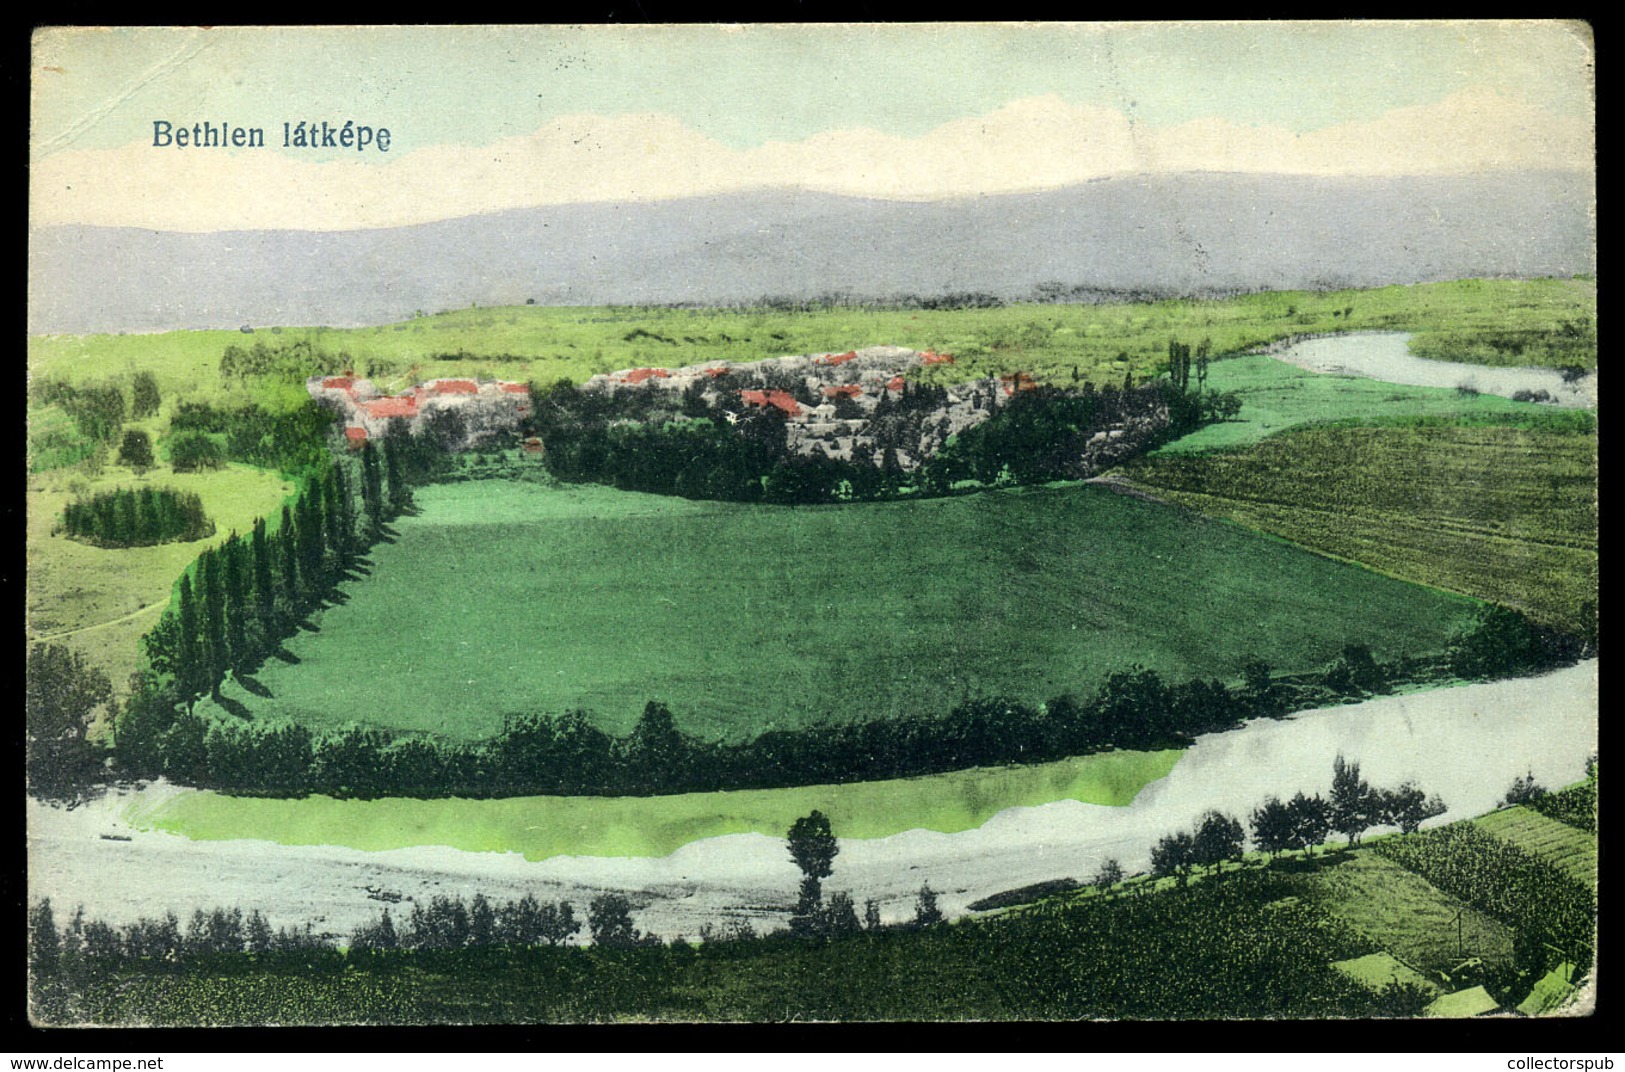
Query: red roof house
339, 383
931, 357
894, 384
454, 387
718, 370
638, 375
516, 388
392, 407
355, 435
781, 400
850, 390
836, 359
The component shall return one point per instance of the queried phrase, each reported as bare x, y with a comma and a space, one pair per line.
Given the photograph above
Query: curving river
1467, 744
1384, 355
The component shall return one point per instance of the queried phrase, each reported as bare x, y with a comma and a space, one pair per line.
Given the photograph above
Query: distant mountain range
1183, 234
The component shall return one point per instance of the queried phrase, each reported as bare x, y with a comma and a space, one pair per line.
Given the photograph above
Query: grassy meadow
99, 601
502, 597
1276, 397
1051, 342
542, 827
1501, 507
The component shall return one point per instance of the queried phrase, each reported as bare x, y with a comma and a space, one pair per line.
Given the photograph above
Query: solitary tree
842, 914
1525, 790
1310, 821
135, 451
1109, 875
1273, 827
1173, 856
63, 692
926, 910
1407, 807
813, 848
1218, 838
44, 944
144, 399
609, 918
1353, 803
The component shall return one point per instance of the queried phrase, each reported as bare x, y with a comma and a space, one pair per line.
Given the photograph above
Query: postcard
747, 523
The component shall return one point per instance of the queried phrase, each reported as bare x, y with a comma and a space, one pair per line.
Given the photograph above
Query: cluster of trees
813, 848
66, 963
293, 361
238, 601
1576, 806
290, 441
97, 409
631, 440
540, 754
447, 923
1298, 825
1044, 434
842, 299
137, 517
62, 695
1499, 642
1226, 949
1179, 363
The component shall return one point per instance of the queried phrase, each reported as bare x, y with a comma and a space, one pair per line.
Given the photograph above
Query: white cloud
1032, 144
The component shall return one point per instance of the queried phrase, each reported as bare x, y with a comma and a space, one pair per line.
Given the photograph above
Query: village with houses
467, 413
850, 406
856, 406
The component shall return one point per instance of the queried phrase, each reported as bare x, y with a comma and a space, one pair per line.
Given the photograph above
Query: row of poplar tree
241, 599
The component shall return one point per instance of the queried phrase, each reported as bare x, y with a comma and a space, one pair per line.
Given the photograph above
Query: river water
1466, 744
1382, 355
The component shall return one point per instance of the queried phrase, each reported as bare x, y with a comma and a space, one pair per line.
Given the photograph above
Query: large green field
1100, 342
503, 597
1502, 508
542, 827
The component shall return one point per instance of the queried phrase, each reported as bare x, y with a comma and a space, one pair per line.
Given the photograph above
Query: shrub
191, 451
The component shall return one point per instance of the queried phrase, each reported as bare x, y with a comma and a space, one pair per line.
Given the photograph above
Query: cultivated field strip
1506, 514
1409, 916
1573, 851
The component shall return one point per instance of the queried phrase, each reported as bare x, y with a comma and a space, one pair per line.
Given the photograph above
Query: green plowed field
1502, 508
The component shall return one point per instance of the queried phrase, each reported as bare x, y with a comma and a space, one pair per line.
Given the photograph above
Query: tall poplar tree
264, 584
189, 668
372, 492
289, 565
214, 618
236, 603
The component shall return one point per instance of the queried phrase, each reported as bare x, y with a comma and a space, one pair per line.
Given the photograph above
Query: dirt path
1121, 485
101, 625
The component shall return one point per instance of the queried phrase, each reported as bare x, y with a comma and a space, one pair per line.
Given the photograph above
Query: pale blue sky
744, 87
